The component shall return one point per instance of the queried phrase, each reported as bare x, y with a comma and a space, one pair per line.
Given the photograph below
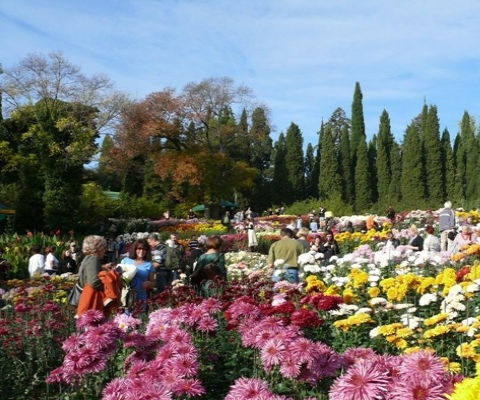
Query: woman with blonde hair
416, 241
100, 285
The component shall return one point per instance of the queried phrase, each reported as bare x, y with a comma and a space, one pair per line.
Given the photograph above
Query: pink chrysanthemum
247, 388
188, 387
90, 318
273, 353
422, 365
416, 389
353, 354
207, 324
362, 381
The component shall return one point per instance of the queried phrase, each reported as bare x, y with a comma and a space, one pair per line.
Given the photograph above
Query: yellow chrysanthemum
435, 319
387, 283
349, 297
373, 291
437, 331
466, 350
389, 329
332, 291
358, 277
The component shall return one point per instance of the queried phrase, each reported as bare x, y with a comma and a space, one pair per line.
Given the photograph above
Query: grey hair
93, 244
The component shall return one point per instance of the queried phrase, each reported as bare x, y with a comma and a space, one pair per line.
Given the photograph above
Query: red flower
305, 318
462, 272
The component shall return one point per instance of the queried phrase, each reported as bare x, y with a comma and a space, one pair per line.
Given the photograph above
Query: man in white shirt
36, 263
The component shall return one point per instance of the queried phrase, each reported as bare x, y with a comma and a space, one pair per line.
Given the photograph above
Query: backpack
208, 272
174, 258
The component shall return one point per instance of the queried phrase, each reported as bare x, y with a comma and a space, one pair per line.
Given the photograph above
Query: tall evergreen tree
432, 156
345, 165
372, 168
363, 187
280, 172
385, 143
260, 153
413, 192
448, 166
329, 184
294, 164
395, 188
311, 178
358, 123
467, 133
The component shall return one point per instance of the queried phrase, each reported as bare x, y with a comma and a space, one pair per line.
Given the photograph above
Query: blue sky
301, 58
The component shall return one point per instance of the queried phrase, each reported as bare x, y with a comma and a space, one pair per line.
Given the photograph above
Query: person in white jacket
36, 263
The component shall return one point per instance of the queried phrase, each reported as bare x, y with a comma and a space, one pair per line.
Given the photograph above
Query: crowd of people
149, 265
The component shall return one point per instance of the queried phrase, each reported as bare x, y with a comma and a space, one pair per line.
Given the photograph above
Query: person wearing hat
446, 223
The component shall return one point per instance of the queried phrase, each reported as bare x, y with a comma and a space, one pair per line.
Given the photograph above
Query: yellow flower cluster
436, 331
394, 333
467, 389
353, 320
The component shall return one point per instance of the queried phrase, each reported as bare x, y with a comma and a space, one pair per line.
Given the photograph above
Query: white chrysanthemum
373, 278
313, 269
427, 299
330, 268
412, 310
278, 263
405, 264
364, 310
455, 306
374, 332
333, 259
344, 309
472, 288
306, 258
378, 301
469, 321
356, 266
410, 321
455, 289
402, 306
340, 281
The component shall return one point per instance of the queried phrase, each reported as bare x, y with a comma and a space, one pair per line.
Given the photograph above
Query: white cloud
300, 57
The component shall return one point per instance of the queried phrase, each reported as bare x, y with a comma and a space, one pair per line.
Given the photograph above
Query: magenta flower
362, 381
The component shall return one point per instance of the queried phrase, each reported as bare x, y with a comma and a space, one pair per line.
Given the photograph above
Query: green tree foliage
55, 113
280, 185
294, 162
358, 123
363, 181
433, 157
448, 166
412, 179
385, 148
311, 174
345, 165
329, 183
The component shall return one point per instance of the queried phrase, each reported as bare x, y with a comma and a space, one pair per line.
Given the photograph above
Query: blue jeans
290, 275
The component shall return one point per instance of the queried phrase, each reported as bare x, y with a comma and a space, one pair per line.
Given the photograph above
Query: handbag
74, 295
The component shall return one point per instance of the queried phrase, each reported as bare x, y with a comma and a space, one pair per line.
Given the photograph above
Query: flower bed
366, 325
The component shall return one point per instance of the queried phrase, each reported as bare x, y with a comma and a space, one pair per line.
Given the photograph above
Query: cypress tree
395, 190
384, 160
294, 163
432, 155
358, 123
311, 178
413, 192
372, 168
345, 165
280, 185
471, 159
329, 184
448, 166
363, 186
